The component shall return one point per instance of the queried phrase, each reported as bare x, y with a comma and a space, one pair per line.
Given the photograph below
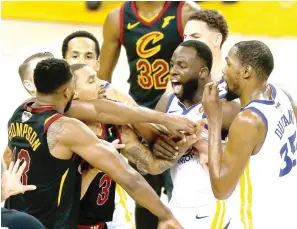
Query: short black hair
256, 54
80, 34
24, 66
214, 21
51, 74
202, 51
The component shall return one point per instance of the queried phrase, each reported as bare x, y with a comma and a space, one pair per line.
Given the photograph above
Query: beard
68, 105
189, 89
230, 94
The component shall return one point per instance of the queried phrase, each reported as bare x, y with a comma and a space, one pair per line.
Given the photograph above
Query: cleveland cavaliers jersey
191, 182
98, 203
149, 47
56, 199
268, 192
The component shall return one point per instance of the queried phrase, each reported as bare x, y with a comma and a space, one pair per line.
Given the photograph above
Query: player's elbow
221, 193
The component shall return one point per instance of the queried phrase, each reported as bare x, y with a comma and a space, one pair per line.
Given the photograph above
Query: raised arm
62, 137
110, 112
142, 156
111, 46
246, 135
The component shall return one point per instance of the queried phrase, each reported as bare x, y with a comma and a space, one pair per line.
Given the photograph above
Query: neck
49, 100
217, 66
197, 96
254, 91
151, 7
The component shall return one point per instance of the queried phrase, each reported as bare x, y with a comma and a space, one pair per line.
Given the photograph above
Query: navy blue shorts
19, 220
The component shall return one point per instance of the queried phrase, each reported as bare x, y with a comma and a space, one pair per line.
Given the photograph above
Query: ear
204, 73
247, 71
97, 65
218, 40
29, 86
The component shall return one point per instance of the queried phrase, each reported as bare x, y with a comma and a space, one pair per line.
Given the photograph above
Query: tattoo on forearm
145, 161
56, 128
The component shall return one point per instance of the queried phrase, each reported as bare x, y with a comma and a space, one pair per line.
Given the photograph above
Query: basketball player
26, 70
192, 202
106, 111
210, 27
260, 151
82, 47
97, 205
39, 134
150, 32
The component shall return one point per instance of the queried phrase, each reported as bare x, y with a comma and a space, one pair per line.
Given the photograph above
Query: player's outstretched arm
142, 156
110, 112
246, 134
73, 136
111, 46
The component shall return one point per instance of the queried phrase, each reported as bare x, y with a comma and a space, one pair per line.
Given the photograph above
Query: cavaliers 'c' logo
142, 43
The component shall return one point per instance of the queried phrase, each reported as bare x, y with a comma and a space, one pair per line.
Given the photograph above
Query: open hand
11, 181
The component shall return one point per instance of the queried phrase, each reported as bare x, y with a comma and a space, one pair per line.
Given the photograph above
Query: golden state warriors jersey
193, 202
267, 196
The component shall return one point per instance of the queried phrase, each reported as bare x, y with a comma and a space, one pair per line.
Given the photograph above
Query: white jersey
193, 202
268, 189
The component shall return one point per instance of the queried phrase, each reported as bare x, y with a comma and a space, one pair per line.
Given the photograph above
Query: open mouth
176, 85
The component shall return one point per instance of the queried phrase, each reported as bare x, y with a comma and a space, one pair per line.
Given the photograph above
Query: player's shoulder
164, 101
249, 117
113, 17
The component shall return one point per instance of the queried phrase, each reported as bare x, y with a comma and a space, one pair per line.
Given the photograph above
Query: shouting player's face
81, 50
233, 73
186, 71
87, 85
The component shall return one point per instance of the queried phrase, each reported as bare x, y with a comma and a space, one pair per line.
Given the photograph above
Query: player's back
55, 201
267, 195
149, 47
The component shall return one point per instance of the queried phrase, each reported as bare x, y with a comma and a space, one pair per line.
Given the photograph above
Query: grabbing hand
165, 148
116, 144
177, 125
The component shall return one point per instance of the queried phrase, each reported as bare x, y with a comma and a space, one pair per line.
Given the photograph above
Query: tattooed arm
68, 135
142, 156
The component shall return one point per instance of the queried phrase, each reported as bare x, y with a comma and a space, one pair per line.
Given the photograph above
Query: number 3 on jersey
153, 75
289, 163
104, 183
23, 155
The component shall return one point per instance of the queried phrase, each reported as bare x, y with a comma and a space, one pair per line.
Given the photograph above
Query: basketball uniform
267, 196
149, 46
55, 202
193, 202
100, 202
